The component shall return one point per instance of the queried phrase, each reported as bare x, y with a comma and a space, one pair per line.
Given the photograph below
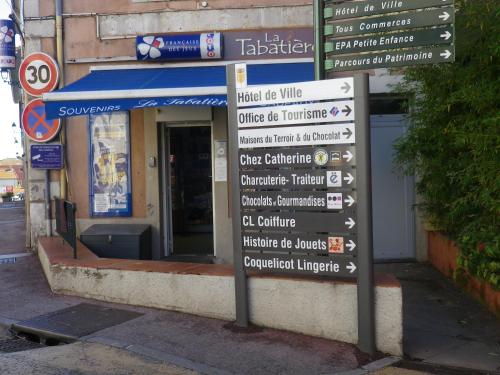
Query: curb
18, 328
7, 323
372, 366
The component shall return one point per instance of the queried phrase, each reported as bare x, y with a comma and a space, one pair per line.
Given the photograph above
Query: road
12, 233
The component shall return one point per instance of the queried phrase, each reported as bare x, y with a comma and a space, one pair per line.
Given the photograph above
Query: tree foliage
453, 142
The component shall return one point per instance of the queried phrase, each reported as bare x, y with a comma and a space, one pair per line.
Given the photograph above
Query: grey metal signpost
366, 303
240, 277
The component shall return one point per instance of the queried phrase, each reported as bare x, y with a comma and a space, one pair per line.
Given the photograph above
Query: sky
9, 111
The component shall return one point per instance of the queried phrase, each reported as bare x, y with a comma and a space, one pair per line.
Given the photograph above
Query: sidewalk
443, 325
204, 345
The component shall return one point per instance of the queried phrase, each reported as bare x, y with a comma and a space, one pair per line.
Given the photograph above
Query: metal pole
319, 56
366, 313
60, 62
48, 213
240, 277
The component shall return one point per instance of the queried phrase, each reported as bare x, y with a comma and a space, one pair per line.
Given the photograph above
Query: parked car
18, 197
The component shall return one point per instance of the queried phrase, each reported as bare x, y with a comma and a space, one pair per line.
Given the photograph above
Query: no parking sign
35, 124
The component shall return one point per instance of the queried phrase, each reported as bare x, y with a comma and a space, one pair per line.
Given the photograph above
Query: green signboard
390, 59
402, 21
360, 35
402, 39
353, 9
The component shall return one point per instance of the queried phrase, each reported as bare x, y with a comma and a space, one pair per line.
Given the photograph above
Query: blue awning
131, 88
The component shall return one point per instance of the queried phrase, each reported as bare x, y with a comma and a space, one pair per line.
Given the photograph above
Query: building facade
166, 165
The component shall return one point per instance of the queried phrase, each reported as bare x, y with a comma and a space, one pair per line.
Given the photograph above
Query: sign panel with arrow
405, 39
325, 244
322, 112
324, 222
297, 264
296, 179
303, 157
391, 59
401, 21
352, 9
295, 92
330, 134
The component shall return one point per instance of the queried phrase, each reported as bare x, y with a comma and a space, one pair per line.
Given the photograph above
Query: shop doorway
188, 199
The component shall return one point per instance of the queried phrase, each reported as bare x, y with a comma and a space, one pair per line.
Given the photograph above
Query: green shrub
453, 142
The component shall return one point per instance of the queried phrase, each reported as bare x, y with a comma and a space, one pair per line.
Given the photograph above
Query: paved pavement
84, 358
442, 324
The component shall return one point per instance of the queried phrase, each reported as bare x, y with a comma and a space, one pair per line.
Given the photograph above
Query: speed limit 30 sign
38, 74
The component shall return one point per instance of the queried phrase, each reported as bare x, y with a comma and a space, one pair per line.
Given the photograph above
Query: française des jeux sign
7, 45
202, 46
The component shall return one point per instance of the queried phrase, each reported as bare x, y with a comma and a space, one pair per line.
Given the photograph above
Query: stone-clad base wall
311, 306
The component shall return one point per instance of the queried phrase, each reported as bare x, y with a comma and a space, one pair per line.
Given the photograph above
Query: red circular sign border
23, 123
53, 67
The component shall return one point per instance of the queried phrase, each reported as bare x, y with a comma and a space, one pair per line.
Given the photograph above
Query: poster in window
110, 191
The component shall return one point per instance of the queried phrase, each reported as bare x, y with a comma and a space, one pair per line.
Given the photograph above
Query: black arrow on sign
346, 87
347, 133
347, 110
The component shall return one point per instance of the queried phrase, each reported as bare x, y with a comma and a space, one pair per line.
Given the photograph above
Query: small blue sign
7, 44
49, 156
179, 47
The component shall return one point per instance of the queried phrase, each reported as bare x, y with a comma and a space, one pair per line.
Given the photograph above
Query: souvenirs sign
362, 35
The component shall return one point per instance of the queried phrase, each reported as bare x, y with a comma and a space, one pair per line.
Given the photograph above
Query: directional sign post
382, 34
295, 184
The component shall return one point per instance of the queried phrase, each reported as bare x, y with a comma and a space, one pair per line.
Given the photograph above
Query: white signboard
296, 92
339, 111
220, 162
331, 134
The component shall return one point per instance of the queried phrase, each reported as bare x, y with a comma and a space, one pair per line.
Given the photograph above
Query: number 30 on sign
38, 74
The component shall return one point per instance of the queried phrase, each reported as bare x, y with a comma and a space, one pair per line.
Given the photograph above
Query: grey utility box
124, 241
